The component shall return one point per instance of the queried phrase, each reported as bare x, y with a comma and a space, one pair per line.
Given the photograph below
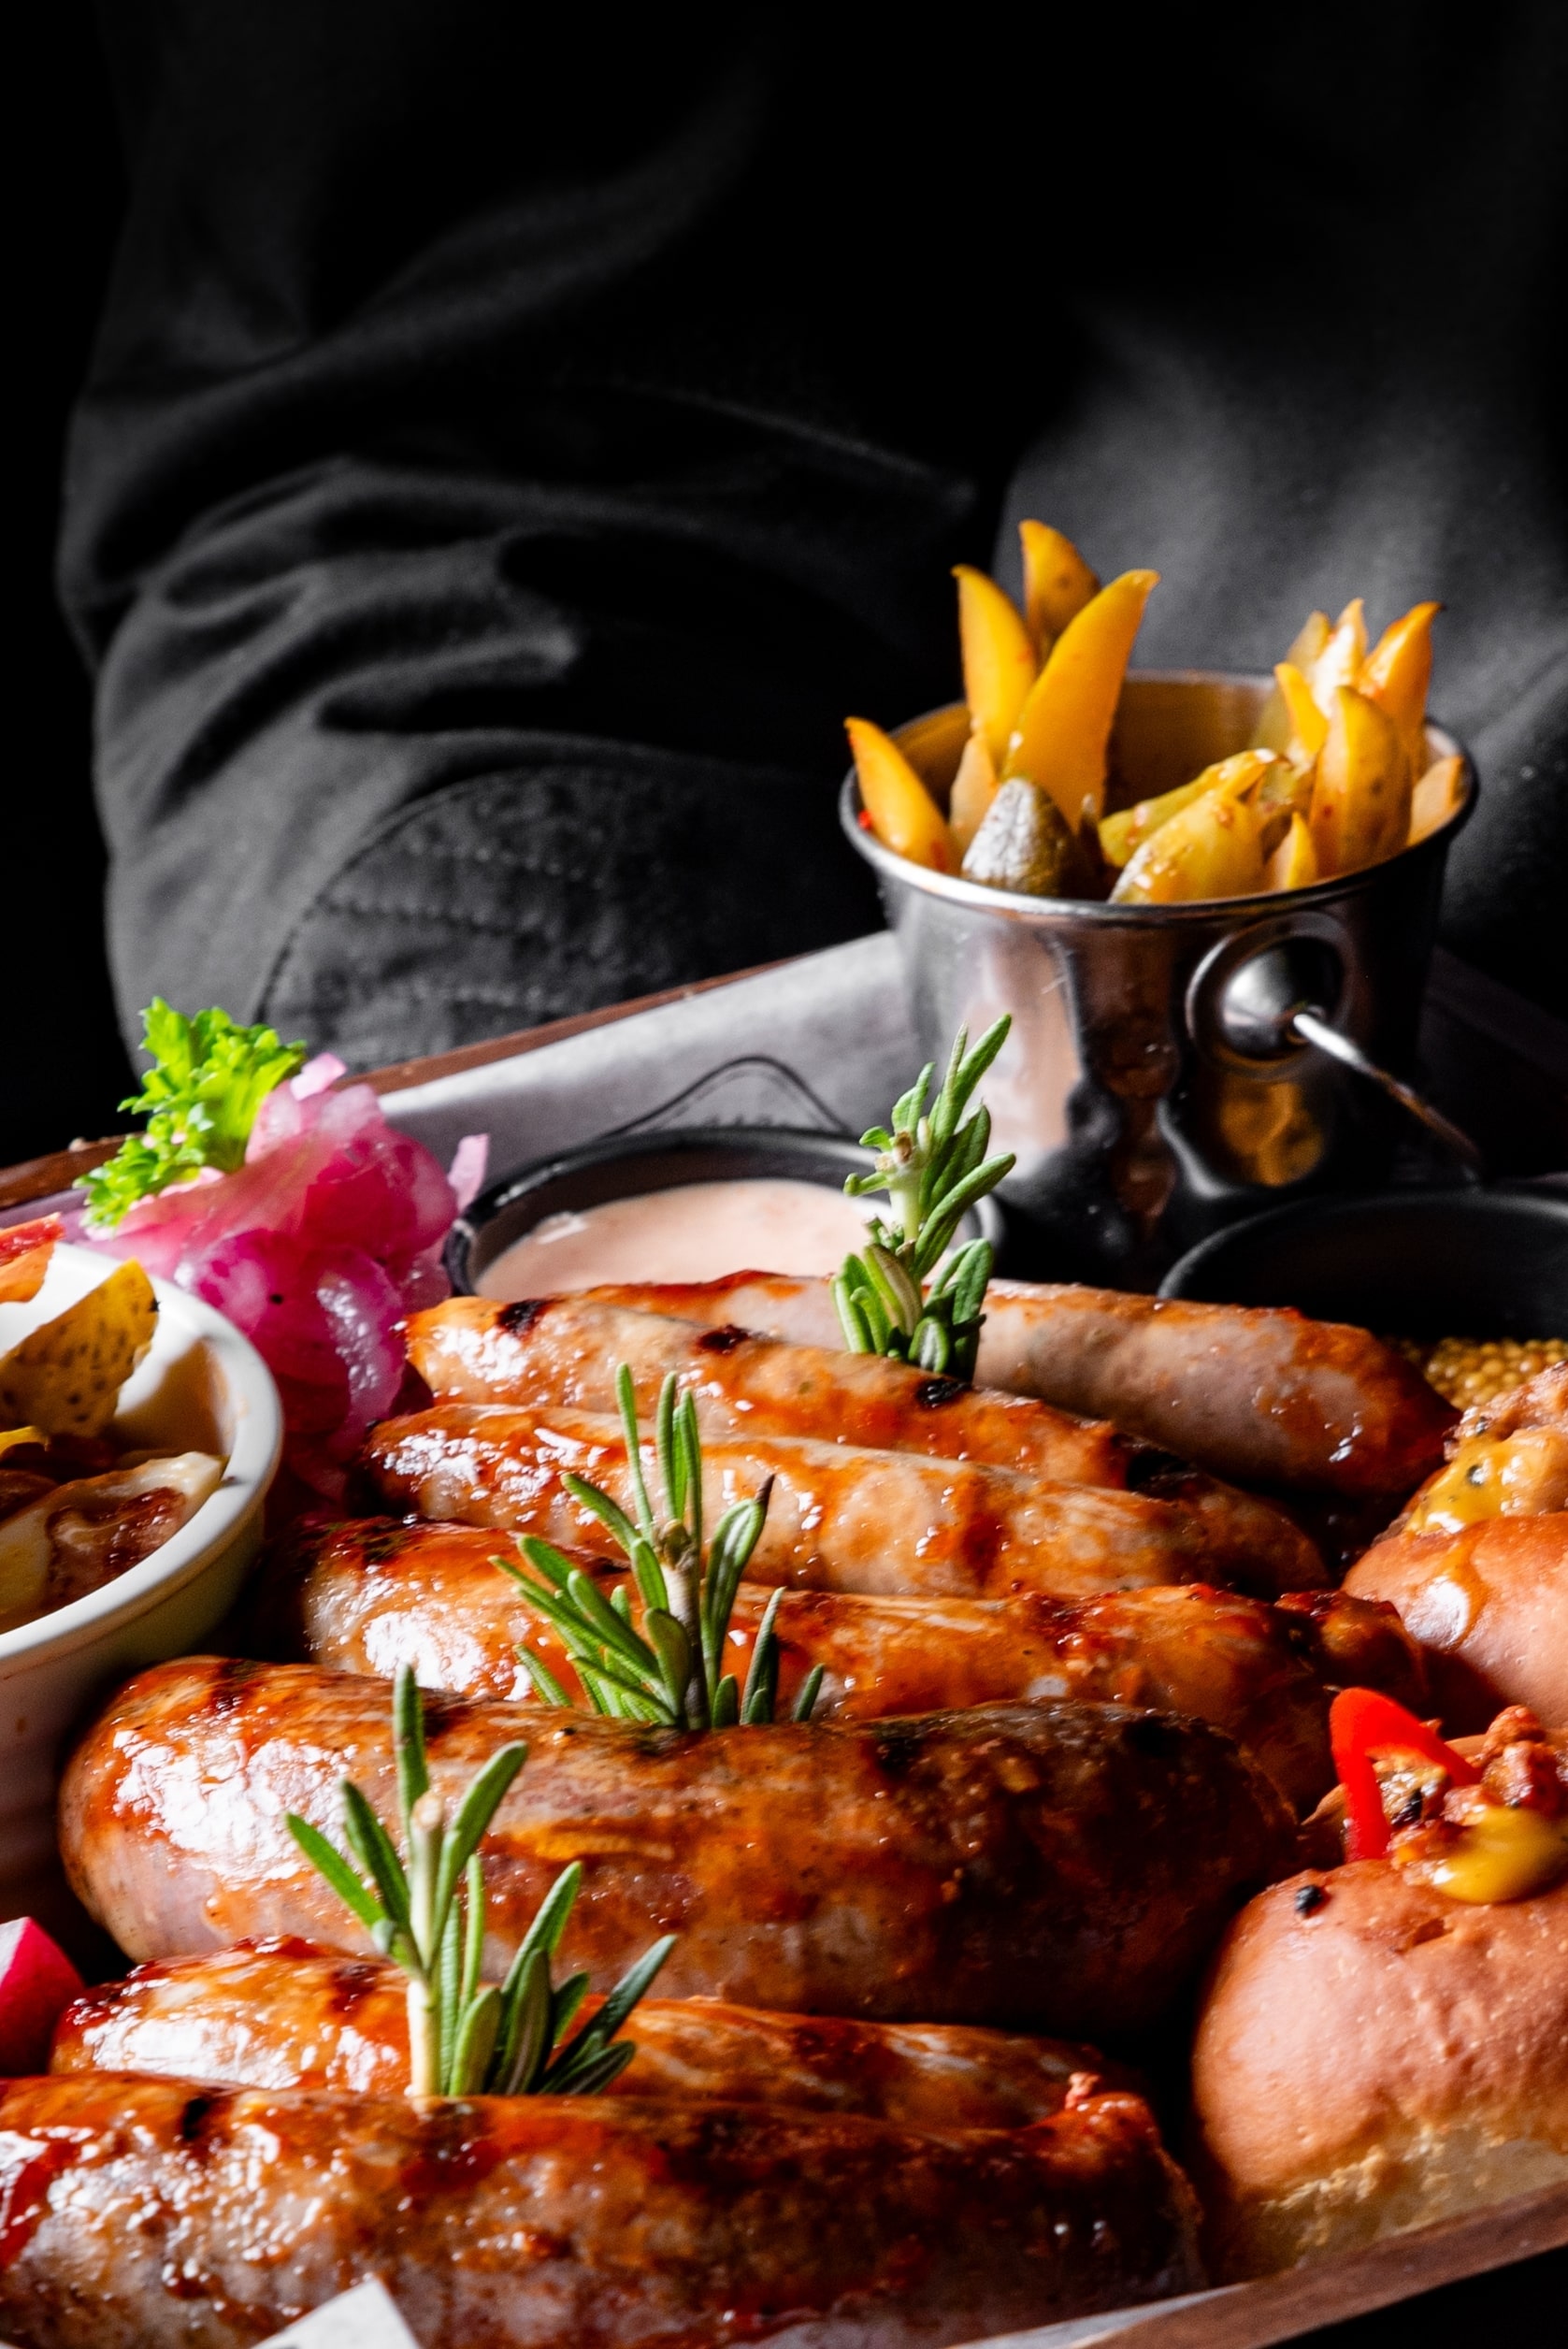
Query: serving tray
825, 1041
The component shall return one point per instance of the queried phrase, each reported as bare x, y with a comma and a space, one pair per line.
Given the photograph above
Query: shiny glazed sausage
286, 2014
1058, 1866
842, 1518
371, 1595
146, 2212
1260, 1393
565, 1351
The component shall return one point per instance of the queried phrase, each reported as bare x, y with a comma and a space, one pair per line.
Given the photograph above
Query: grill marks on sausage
932, 1393
723, 1341
521, 1315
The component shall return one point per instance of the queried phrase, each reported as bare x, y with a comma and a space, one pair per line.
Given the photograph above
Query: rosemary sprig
465, 2038
933, 1167
670, 1669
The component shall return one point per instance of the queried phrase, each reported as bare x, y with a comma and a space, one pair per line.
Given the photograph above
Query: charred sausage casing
285, 2014
370, 1597
1059, 1866
146, 2212
1260, 1393
841, 1518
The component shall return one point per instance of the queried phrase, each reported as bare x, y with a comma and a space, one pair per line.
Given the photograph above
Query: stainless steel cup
1147, 1101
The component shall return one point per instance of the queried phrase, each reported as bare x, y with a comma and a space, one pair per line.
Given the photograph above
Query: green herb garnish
465, 2039
209, 1078
668, 1671
933, 1168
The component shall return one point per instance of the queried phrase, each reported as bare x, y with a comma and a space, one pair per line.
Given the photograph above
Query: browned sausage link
1063, 1867
565, 1351
150, 2212
285, 2014
1258, 1393
370, 1596
840, 1519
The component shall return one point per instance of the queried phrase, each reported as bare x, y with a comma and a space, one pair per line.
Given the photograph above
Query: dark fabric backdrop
512, 445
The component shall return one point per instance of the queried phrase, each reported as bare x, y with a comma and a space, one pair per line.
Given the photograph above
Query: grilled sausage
370, 1596
1256, 1392
565, 1350
840, 1519
1059, 1866
285, 2014
1488, 1603
152, 2212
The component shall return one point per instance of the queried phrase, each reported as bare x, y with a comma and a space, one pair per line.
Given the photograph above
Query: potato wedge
1436, 798
1057, 584
66, 1376
1397, 675
1307, 728
1340, 661
998, 656
1272, 730
903, 815
974, 787
1360, 799
1213, 848
1121, 836
1294, 862
1064, 727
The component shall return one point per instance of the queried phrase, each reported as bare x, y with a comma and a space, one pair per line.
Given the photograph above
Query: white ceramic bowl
202, 1388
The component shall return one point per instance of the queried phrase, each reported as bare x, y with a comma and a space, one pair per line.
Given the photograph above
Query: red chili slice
1361, 1723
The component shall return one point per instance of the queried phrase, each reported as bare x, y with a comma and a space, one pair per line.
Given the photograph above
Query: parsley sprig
933, 1167
200, 1097
465, 2038
670, 1669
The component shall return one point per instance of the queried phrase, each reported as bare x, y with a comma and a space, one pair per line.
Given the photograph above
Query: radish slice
38, 1982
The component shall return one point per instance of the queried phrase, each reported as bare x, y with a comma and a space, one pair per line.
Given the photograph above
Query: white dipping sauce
696, 1231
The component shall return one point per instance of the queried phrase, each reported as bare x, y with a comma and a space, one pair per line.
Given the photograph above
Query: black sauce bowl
1473, 1264
625, 1165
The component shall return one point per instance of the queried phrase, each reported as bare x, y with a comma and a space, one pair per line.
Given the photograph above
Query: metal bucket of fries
1144, 1109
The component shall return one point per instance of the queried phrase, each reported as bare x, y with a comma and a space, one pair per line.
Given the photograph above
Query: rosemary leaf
476, 1809
449, 1996
648, 1575
371, 1845
725, 1708
691, 1444
626, 1395
564, 2003
762, 1680
610, 1513
543, 1555
330, 1864
408, 1739
473, 1928
672, 1463
673, 1643
475, 2042
596, 1611
526, 2026
552, 1917
809, 1690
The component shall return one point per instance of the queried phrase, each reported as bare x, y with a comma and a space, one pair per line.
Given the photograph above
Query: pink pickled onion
317, 1247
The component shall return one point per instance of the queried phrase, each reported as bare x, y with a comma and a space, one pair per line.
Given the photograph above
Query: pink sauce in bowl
692, 1232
